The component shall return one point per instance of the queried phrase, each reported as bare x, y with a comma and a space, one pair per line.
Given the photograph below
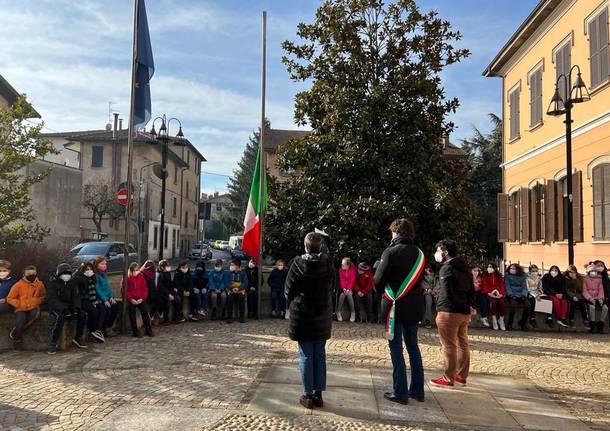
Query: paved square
214, 376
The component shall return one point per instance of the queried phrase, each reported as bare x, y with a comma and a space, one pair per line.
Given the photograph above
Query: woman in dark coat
308, 292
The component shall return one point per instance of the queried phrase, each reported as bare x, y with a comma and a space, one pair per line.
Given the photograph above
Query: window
188, 157
218, 207
174, 239
175, 207
537, 226
563, 63
196, 166
513, 108
186, 219
175, 174
601, 202
536, 97
598, 48
166, 238
561, 199
97, 156
514, 205
156, 238
187, 189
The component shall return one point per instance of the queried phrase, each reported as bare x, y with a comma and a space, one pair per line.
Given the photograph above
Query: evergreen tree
20, 146
485, 154
239, 186
378, 111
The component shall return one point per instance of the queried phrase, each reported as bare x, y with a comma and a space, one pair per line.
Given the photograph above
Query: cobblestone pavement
213, 365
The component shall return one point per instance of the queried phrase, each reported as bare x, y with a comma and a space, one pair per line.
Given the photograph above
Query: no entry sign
122, 196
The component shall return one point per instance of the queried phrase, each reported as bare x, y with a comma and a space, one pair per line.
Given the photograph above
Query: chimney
120, 124
116, 122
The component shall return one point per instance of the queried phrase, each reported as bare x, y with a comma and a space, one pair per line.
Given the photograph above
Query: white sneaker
501, 322
352, 317
494, 322
287, 315
485, 322
339, 317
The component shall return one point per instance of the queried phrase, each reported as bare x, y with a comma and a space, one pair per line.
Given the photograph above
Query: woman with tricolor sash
399, 278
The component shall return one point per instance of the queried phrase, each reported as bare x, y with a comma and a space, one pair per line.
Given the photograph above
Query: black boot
317, 399
600, 327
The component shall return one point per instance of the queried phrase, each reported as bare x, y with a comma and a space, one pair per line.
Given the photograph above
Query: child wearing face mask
110, 308
347, 283
25, 297
534, 288
237, 295
91, 305
165, 285
276, 281
600, 267
574, 288
218, 284
183, 290
252, 273
481, 297
6, 282
492, 284
593, 293
516, 296
554, 289
64, 305
199, 304
154, 298
137, 293
365, 284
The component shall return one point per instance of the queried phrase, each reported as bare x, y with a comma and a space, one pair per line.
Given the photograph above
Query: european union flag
145, 68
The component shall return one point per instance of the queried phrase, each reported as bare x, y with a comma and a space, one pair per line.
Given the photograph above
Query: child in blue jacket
218, 283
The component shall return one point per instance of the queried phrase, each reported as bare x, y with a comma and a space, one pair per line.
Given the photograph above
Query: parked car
200, 251
113, 251
238, 253
235, 241
224, 245
217, 244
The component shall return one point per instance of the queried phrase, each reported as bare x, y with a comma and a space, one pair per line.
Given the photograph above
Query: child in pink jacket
593, 292
347, 284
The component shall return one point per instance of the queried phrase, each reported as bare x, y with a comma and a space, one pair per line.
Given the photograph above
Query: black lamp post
576, 93
163, 137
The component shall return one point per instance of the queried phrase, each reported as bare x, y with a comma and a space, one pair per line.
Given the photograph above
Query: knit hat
63, 268
363, 266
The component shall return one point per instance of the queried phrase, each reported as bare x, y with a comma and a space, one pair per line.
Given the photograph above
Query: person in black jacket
90, 303
252, 273
64, 304
165, 285
183, 289
308, 290
455, 305
554, 289
399, 279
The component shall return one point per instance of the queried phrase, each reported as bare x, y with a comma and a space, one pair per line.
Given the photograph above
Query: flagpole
130, 134
262, 170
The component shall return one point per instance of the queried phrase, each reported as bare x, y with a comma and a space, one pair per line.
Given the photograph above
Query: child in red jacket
137, 292
364, 290
492, 284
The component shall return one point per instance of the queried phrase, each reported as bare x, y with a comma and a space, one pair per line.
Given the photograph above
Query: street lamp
164, 138
576, 94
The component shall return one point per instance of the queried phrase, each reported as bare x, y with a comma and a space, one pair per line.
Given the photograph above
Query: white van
235, 242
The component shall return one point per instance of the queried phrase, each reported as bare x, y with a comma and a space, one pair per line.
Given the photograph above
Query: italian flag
256, 204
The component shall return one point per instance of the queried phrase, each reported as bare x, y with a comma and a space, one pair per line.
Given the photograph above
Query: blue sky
72, 58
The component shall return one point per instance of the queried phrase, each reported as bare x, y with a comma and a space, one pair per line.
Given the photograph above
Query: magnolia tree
377, 110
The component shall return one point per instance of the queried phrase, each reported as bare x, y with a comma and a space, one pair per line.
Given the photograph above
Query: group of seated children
356, 285
518, 292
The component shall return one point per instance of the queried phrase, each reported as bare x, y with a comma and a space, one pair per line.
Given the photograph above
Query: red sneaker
459, 379
442, 381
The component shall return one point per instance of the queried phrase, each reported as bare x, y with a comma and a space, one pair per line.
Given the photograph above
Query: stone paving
218, 369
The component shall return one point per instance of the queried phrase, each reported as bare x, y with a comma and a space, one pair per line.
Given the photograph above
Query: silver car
113, 251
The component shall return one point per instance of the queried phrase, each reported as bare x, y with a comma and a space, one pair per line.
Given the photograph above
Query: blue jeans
399, 374
312, 364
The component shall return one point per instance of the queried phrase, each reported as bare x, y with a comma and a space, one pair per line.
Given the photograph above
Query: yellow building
557, 35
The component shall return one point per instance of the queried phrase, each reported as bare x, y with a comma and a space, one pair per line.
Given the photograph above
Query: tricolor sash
405, 288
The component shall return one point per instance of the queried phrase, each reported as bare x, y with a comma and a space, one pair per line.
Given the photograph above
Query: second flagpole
262, 169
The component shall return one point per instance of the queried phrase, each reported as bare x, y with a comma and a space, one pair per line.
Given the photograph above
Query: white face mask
490, 270
88, 273
554, 273
218, 268
4, 275
65, 277
251, 265
438, 256
599, 268
394, 235
280, 267
534, 273
168, 269
184, 270
593, 273
233, 268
